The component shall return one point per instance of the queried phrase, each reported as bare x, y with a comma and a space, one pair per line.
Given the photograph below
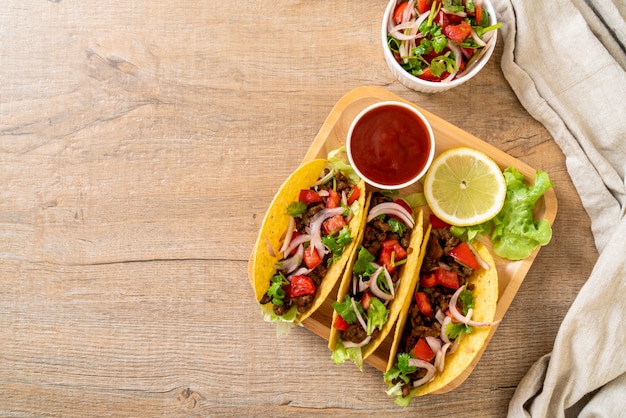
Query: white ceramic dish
425, 86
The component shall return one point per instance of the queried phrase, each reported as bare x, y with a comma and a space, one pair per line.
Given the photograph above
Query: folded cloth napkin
566, 61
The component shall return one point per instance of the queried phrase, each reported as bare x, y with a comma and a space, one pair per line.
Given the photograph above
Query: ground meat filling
342, 185
376, 231
418, 325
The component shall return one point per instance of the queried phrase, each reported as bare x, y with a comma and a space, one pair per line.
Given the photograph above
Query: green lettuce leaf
340, 354
377, 315
516, 234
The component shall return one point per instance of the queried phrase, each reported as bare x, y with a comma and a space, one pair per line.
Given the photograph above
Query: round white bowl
425, 86
431, 141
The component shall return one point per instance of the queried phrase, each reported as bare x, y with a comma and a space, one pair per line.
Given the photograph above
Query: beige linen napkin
565, 60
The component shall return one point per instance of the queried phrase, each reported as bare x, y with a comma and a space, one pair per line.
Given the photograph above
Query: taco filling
440, 315
372, 284
315, 238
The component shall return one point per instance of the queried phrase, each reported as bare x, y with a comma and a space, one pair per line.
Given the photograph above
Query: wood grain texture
140, 144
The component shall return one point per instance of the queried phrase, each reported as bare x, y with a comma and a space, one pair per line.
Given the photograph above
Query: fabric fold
565, 61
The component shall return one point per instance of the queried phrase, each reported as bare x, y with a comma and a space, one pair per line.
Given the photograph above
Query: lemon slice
464, 187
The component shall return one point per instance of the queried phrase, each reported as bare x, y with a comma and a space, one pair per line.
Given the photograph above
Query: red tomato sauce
390, 145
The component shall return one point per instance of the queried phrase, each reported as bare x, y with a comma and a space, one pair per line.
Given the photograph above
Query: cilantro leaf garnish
296, 209
337, 242
275, 290
362, 266
396, 226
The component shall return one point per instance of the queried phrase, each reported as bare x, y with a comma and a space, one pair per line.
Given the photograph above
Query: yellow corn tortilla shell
485, 302
273, 229
404, 291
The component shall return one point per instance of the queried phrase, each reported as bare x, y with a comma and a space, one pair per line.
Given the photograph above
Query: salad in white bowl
433, 45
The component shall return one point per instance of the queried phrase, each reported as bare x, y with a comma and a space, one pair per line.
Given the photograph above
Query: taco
377, 282
446, 321
306, 239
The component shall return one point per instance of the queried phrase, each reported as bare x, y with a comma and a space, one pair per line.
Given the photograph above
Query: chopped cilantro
362, 266
275, 290
296, 209
396, 226
337, 242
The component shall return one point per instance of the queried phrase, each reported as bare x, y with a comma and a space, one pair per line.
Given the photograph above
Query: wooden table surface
140, 145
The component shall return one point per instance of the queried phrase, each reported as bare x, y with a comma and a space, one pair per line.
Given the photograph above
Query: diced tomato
479, 14
423, 351
464, 255
428, 75
428, 280
458, 33
333, 224
333, 200
423, 303
355, 193
399, 11
454, 19
340, 323
366, 299
391, 248
447, 278
442, 19
437, 223
311, 257
309, 196
423, 6
301, 286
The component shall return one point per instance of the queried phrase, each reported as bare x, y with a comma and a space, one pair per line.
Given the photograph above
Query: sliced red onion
459, 316
450, 12
354, 284
323, 193
477, 39
315, 228
391, 208
324, 179
376, 291
301, 271
479, 55
363, 285
270, 249
444, 334
408, 11
301, 239
290, 264
350, 344
434, 343
440, 316
430, 371
440, 357
390, 284
288, 234
344, 198
358, 314
457, 60
444, 266
481, 262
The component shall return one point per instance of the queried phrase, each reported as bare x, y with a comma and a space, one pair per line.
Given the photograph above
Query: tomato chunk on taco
446, 321
377, 280
306, 239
